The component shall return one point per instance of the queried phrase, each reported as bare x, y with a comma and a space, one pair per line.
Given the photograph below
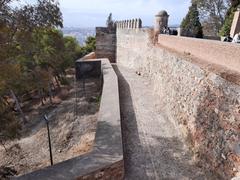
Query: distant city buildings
80, 34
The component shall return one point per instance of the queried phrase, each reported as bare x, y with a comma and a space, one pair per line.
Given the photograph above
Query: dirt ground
73, 119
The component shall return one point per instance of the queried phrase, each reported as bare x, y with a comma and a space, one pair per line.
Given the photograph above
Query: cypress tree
191, 25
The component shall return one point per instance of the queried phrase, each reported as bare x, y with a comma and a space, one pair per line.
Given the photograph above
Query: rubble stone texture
203, 104
154, 148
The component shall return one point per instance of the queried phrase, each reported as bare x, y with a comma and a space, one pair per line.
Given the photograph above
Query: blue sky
91, 13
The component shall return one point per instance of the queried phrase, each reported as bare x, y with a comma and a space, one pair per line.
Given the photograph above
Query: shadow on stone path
153, 147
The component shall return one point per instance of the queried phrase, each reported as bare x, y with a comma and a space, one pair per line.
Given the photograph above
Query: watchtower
161, 21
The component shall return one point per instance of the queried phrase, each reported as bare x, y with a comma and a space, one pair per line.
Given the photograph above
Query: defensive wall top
129, 24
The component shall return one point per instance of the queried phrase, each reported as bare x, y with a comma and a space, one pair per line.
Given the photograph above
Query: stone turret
161, 21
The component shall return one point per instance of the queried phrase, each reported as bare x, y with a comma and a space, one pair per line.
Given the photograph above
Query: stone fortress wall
217, 52
106, 38
106, 43
129, 24
197, 84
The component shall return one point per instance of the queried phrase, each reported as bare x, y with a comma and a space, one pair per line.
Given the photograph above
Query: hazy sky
91, 13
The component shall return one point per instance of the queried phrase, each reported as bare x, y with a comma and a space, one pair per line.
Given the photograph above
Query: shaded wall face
204, 105
106, 43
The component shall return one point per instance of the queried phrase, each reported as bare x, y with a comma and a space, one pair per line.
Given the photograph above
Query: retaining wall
204, 105
106, 159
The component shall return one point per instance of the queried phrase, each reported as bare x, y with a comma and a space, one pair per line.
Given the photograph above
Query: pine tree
191, 25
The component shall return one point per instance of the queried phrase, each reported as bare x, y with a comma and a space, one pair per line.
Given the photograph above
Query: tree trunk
44, 94
5, 101
54, 89
53, 85
56, 79
50, 92
40, 96
42, 99
18, 106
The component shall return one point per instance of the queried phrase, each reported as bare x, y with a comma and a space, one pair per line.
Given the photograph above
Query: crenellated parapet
129, 24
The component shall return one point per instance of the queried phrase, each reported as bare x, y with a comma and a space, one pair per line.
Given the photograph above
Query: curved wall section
106, 159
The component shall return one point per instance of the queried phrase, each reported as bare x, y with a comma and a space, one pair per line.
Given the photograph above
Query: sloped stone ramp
153, 147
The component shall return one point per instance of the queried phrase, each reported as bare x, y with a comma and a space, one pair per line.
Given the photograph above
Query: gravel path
153, 147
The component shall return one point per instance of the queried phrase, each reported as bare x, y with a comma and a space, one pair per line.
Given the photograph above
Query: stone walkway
153, 147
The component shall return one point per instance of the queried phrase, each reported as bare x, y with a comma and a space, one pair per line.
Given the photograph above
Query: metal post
76, 100
49, 139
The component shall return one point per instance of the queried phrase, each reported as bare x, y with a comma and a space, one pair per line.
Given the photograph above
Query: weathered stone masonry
203, 104
106, 38
106, 43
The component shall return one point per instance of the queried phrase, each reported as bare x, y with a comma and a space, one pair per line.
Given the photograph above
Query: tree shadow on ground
107, 150
79, 103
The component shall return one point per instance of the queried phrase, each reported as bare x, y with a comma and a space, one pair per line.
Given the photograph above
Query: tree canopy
212, 14
34, 55
191, 25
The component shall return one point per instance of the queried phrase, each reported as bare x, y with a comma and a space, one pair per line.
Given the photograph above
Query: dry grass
72, 127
